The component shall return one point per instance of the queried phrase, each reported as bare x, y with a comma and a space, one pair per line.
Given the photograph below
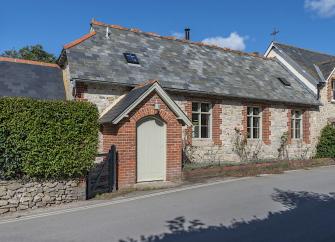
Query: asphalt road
295, 206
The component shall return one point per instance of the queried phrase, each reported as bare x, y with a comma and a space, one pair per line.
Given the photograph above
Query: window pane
249, 111
204, 132
297, 133
195, 131
248, 133
297, 123
256, 133
249, 122
297, 128
205, 107
204, 119
256, 111
195, 119
195, 107
256, 122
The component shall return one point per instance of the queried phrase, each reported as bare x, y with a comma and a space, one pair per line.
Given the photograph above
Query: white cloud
178, 35
323, 8
233, 41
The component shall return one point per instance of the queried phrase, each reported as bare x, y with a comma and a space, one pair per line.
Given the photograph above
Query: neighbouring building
162, 100
33, 79
317, 72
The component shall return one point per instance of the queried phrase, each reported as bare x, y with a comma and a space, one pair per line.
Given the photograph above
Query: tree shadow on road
310, 217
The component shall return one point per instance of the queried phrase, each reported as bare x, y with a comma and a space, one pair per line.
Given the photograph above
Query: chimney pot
187, 33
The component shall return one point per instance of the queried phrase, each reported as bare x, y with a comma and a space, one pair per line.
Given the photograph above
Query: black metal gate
103, 176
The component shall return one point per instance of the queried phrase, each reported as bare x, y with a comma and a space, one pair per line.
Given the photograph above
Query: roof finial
274, 33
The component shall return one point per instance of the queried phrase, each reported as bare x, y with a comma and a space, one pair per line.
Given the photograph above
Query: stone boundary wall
19, 195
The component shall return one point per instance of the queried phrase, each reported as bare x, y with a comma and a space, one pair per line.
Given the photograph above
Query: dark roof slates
183, 66
39, 80
306, 59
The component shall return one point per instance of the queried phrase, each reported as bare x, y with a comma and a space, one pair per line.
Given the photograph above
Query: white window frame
199, 112
293, 124
252, 123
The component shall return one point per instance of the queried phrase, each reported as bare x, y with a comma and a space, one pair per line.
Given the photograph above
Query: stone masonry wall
18, 195
275, 122
102, 95
228, 116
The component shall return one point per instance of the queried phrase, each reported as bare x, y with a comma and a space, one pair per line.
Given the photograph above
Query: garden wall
18, 195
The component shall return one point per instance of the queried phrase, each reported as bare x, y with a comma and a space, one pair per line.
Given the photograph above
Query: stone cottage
159, 96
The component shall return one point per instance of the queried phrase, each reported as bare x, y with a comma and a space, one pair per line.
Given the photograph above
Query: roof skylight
284, 81
131, 58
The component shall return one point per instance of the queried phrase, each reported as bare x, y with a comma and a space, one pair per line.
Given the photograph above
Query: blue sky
243, 25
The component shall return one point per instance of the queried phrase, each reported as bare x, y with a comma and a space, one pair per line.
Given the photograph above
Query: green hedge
46, 139
326, 145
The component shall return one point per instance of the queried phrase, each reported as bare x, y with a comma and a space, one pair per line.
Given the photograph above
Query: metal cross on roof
274, 33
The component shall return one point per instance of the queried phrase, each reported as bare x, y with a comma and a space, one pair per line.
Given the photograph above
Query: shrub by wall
46, 139
326, 145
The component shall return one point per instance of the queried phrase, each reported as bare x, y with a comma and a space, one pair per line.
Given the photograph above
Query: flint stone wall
19, 195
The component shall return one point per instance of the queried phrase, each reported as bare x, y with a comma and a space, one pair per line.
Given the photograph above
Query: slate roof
327, 67
123, 104
306, 59
20, 78
182, 66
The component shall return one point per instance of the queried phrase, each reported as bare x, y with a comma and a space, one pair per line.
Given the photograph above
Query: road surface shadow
310, 218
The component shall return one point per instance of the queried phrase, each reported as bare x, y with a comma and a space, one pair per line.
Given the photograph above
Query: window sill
297, 141
250, 139
202, 141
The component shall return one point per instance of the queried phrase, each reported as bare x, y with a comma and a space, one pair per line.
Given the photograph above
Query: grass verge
253, 168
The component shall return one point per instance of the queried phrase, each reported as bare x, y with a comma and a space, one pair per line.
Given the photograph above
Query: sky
242, 25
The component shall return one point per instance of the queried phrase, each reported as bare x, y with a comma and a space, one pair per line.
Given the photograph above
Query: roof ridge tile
325, 62
135, 30
30, 62
78, 41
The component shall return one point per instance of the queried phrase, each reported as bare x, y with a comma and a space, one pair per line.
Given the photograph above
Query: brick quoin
244, 120
306, 127
266, 125
188, 111
123, 135
217, 121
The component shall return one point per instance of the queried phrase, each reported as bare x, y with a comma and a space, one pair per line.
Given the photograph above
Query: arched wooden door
151, 149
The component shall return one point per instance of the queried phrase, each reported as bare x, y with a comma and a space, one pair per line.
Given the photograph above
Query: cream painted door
151, 150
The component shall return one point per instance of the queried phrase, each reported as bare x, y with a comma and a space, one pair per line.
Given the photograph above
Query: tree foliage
32, 52
326, 145
46, 139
